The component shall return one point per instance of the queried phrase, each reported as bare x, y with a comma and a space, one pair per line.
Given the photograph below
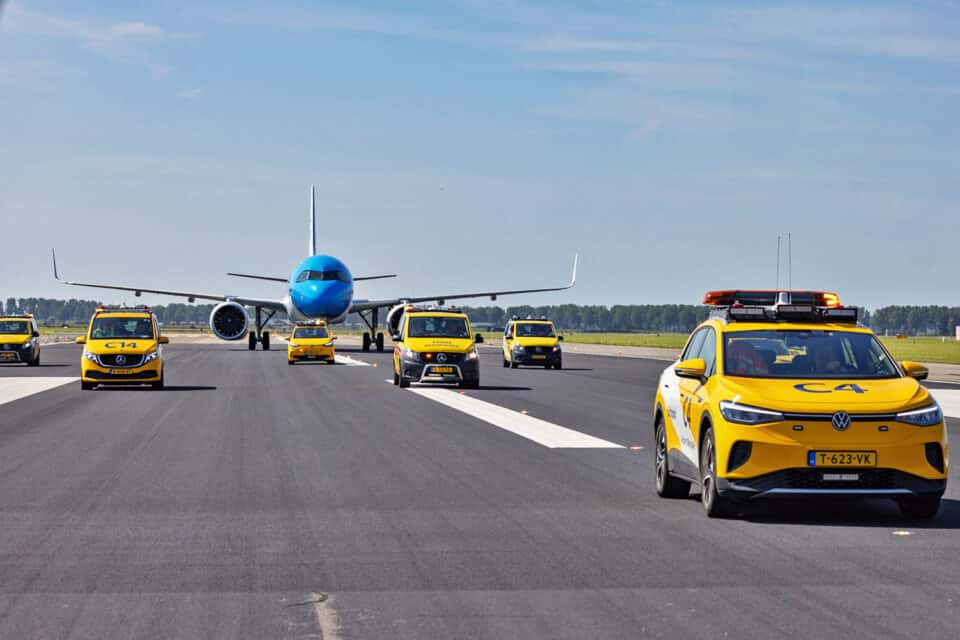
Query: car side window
693, 347
708, 350
508, 330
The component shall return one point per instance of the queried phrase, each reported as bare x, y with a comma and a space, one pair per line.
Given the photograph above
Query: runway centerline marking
351, 362
949, 400
548, 434
15, 388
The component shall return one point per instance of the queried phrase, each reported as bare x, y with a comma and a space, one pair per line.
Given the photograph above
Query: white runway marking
15, 388
540, 431
347, 360
949, 400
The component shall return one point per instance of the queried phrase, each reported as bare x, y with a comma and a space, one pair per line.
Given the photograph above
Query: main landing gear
258, 334
371, 318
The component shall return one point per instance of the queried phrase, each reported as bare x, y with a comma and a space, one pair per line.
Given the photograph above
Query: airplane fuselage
321, 288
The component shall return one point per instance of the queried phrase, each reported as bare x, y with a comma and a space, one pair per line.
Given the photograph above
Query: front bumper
18, 353
810, 482
536, 358
428, 372
150, 372
308, 353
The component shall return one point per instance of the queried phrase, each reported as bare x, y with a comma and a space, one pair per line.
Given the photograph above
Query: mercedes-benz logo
841, 420
441, 357
121, 359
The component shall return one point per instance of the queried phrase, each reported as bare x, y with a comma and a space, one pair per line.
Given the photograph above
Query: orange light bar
766, 297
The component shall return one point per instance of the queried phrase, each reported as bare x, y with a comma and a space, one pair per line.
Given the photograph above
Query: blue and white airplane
320, 288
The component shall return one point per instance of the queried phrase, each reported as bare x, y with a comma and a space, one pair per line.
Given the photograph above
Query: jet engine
228, 321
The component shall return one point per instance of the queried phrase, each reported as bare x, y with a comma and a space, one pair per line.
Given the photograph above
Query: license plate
7, 356
842, 459
441, 370
539, 357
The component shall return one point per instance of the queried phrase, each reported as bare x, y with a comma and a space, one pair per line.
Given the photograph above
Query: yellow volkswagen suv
19, 339
310, 341
531, 342
435, 345
781, 393
122, 346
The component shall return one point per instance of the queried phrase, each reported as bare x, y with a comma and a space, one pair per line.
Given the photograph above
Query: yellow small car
310, 341
531, 342
122, 346
435, 345
782, 394
19, 340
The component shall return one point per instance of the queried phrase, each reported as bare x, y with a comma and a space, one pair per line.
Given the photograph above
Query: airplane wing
364, 305
190, 296
285, 280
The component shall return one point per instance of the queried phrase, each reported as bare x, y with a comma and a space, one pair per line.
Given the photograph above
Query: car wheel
291, 362
922, 508
158, 384
514, 365
558, 366
86, 386
396, 379
403, 383
715, 505
667, 485
470, 383
506, 363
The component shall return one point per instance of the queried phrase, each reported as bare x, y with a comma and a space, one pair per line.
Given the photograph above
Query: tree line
680, 318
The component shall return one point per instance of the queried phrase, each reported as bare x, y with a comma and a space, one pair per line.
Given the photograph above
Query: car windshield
806, 354
310, 332
534, 330
14, 327
437, 327
106, 328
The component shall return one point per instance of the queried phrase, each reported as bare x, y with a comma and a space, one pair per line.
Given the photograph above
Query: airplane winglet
573, 279
53, 252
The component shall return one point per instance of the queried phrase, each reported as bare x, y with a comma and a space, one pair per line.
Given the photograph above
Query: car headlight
744, 414
411, 355
518, 347
92, 357
925, 417
328, 344
150, 357
294, 345
556, 348
472, 355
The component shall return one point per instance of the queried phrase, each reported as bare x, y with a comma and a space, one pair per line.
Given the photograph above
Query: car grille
538, 350
103, 375
813, 479
452, 358
128, 360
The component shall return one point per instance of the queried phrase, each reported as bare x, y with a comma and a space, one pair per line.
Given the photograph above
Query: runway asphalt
251, 499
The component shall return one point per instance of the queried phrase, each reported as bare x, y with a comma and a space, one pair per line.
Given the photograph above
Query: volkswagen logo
122, 360
441, 357
841, 420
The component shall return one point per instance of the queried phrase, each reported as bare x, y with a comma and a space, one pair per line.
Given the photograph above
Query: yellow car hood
795, 395
14, 338
535, 342
451, 345
115, 345
311, 342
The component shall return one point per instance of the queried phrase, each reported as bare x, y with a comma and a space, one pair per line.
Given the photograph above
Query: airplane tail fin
313, 223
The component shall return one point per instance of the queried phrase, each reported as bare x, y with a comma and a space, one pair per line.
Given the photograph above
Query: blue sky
481, 143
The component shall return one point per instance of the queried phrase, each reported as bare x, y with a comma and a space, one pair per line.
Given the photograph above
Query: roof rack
310, 323
779, 306
123, 309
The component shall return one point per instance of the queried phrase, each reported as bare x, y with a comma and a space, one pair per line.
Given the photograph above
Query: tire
379, 343
667, 486
291, 362
558, 366
470, 383
34, 362
396, 379
506, 363
252, 341
715, 505
514, 365
921, 508
403, 383
366, 341
265, 341
86, 386
159, 384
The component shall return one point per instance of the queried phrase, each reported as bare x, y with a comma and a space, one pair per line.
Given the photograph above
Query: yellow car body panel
113, 356
20, 345
304, 347
807, 406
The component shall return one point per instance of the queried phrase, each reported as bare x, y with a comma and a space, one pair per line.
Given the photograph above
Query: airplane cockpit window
324, 276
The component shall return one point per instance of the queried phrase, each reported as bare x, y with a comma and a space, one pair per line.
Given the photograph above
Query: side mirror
332, 338
395, 337
164, 340
478, 339
915, 370
35, 334
559, 337
81, 340
693, 368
